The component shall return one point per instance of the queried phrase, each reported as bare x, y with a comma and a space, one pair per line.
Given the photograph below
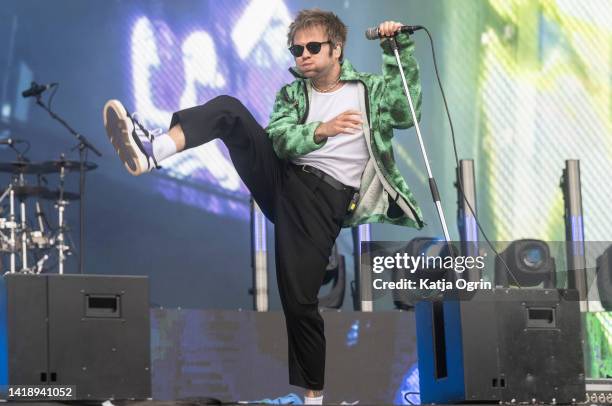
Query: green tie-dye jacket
384, 195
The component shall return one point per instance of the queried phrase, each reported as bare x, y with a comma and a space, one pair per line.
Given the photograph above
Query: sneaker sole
119, 131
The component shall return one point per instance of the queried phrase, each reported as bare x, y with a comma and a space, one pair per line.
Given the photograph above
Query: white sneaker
133, 143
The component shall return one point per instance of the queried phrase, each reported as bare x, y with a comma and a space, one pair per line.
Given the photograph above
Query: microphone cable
456, 155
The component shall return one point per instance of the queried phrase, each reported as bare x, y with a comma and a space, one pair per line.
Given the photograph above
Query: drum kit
18, 238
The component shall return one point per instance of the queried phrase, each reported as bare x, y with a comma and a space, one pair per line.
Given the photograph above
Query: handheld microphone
7, 141
36, 89
372, 33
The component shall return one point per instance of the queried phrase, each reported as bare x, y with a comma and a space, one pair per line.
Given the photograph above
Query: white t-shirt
344, 156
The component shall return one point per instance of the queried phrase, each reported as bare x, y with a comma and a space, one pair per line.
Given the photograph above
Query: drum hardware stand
41, 263
61, 247
6, 192
24, 225
11, 224
61, 205
24, 237
39, 213
39, 217
38, 239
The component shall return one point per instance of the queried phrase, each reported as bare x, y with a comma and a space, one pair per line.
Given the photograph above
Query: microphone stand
83, 145
432, 182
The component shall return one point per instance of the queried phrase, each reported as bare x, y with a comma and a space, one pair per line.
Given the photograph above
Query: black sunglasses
312, 47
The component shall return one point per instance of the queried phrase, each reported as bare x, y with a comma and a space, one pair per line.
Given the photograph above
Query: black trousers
307, 215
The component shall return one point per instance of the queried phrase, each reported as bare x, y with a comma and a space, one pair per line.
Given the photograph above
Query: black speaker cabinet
87, 331
500, 345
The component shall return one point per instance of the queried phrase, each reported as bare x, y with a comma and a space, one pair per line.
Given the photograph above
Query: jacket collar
347, 72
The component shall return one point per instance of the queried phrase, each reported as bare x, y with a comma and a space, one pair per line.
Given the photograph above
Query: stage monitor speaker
503, 345
87, 331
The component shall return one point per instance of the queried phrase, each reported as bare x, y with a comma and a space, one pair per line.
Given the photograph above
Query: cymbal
45, 167
74, 166
23, 192
22, 167
55, 195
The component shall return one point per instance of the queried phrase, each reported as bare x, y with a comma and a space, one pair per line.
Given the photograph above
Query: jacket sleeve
289, 138
394, 108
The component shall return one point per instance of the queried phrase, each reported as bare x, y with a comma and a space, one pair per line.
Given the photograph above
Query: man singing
325, 161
